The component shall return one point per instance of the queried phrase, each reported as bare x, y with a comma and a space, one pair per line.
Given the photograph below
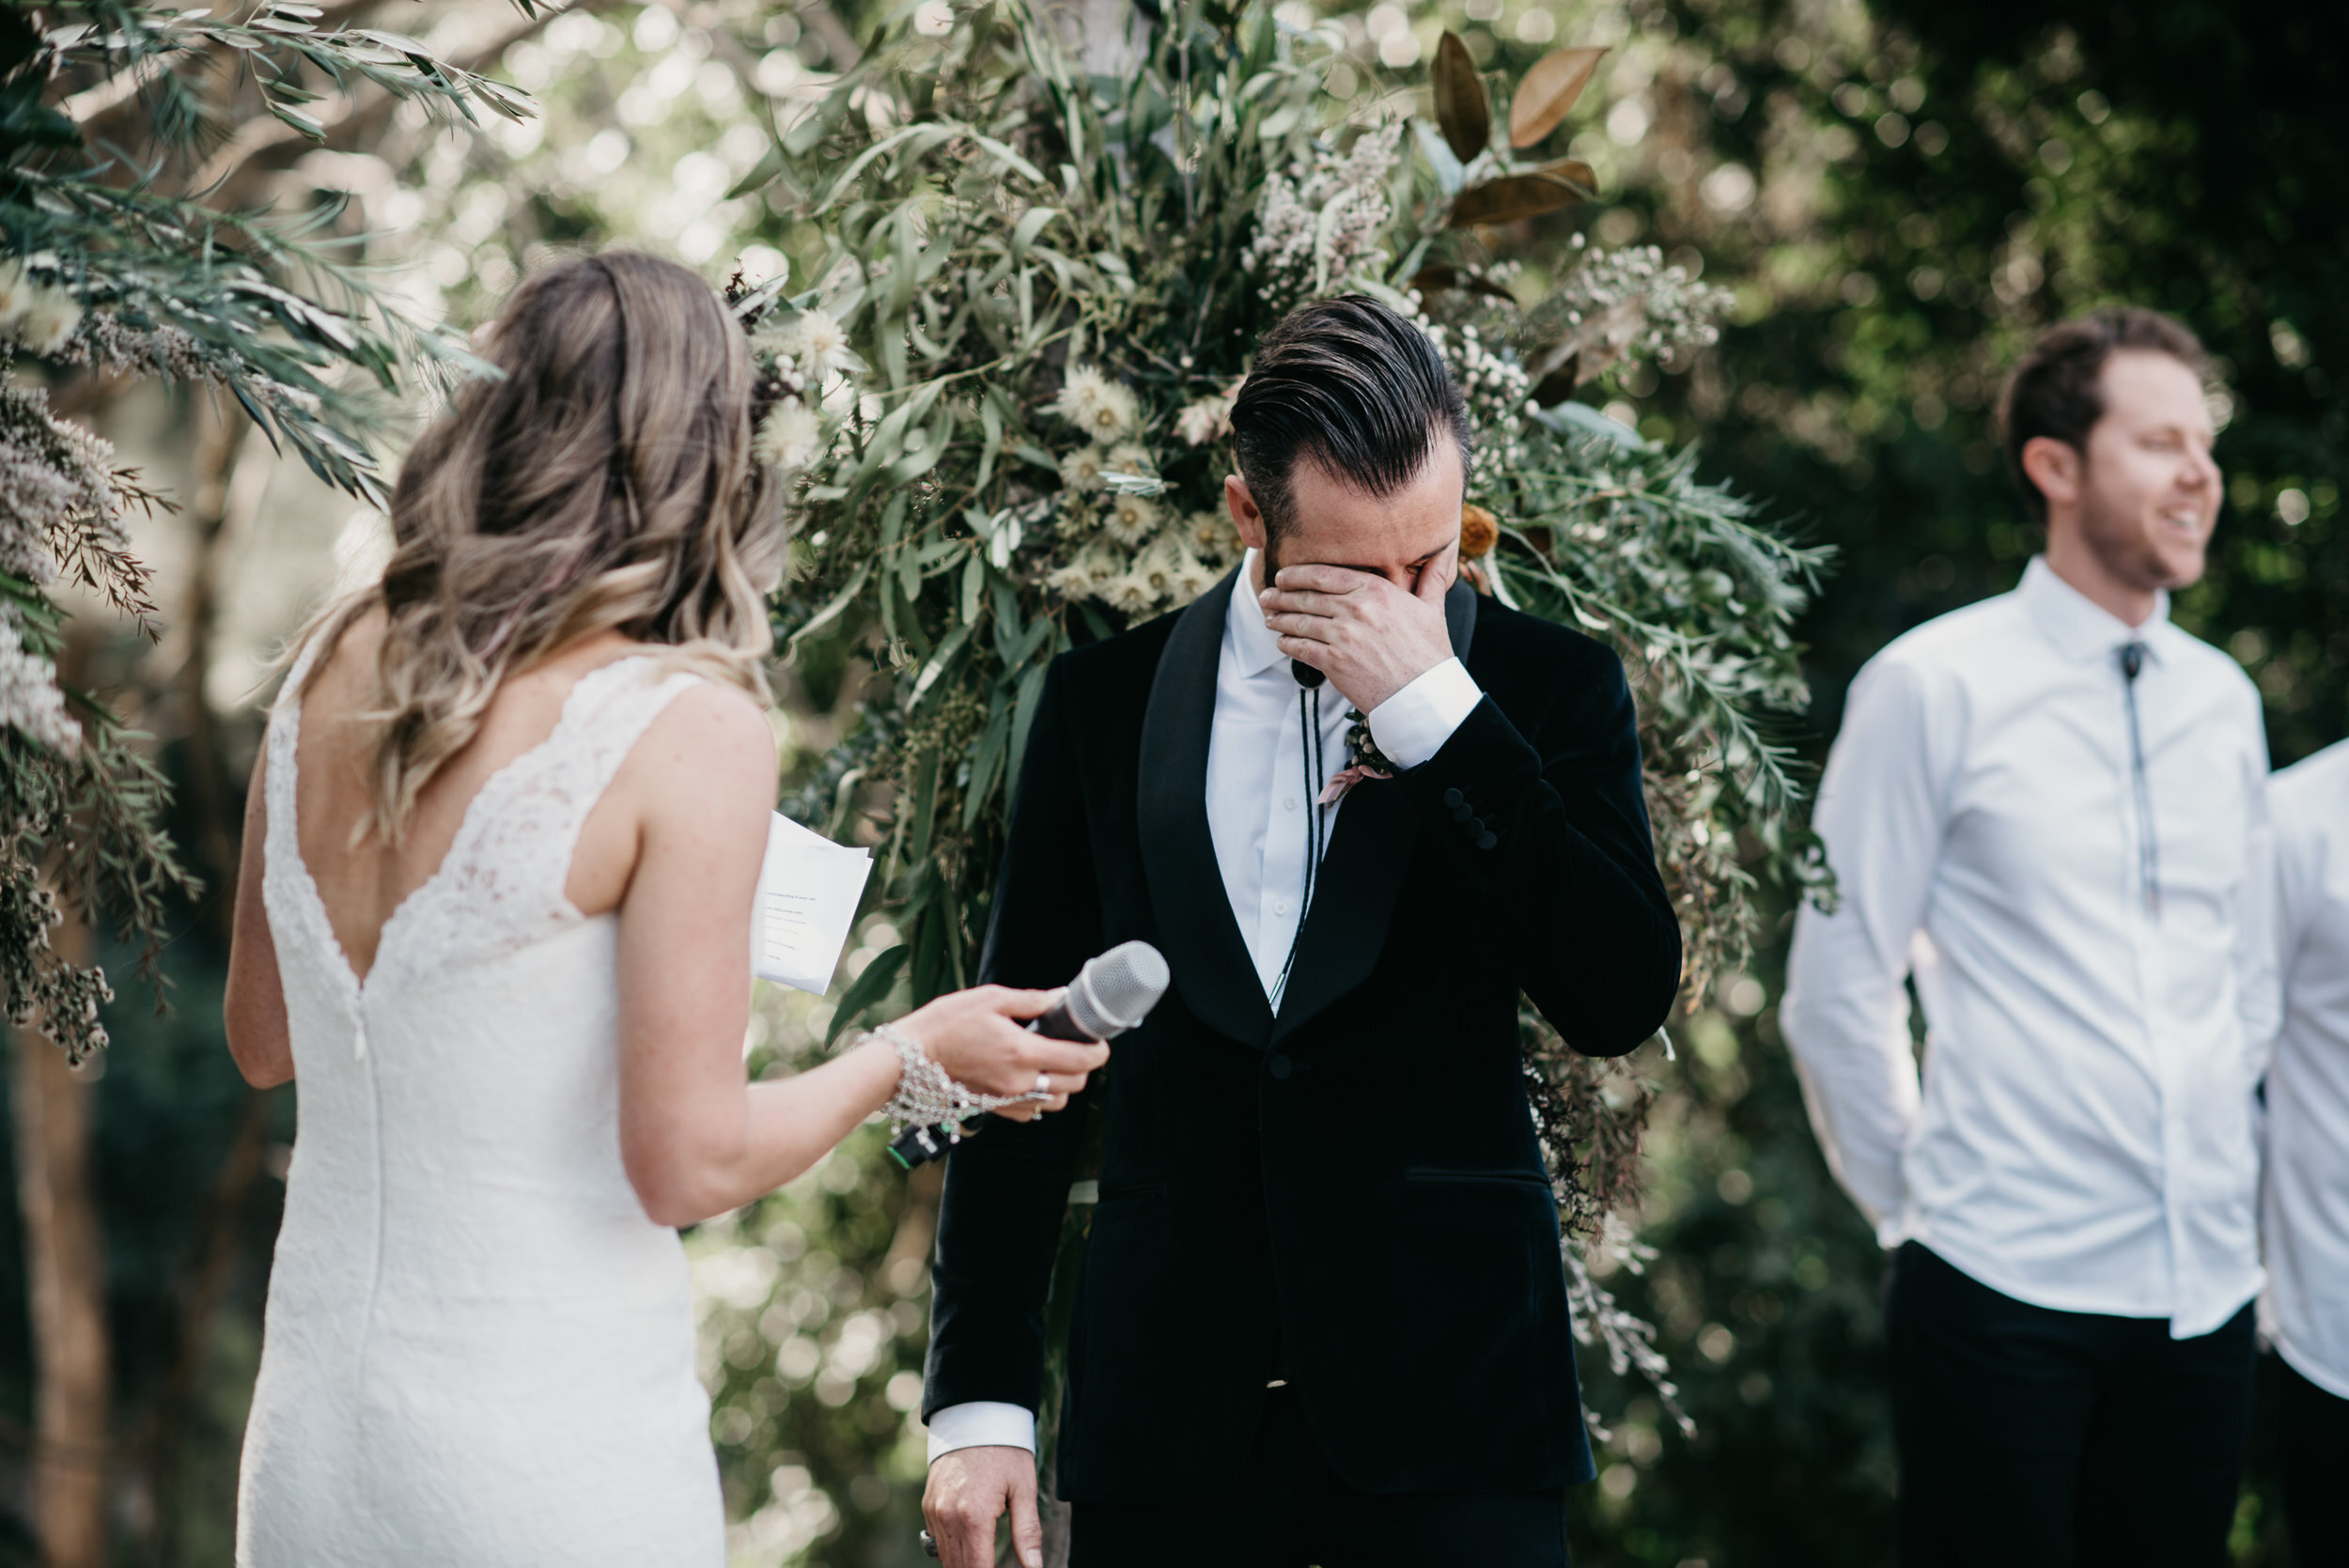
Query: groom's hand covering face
1356, 581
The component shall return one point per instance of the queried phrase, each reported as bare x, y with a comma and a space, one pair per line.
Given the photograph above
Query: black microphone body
1111, 994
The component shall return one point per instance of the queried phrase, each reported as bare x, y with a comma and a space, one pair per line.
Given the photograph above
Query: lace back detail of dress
501, 884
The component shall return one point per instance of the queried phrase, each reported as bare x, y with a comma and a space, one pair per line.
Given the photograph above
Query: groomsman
2306, 1213
2047, 810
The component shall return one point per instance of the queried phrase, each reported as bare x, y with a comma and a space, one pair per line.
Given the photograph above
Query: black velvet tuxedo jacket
1347, 1195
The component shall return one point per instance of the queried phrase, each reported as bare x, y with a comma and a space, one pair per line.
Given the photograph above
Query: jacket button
1453, 798
1280, 1068
1463, 813
1485, 841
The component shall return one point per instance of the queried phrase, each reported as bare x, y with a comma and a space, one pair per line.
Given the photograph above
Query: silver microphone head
1116, 990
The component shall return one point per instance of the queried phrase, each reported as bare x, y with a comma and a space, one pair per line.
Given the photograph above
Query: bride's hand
979, 1036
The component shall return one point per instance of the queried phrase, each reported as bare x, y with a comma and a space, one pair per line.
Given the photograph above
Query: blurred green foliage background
1899, 192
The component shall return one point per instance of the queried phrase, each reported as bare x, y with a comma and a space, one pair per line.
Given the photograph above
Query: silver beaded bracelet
928, 1096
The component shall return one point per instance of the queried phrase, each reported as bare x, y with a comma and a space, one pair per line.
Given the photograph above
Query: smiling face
1333, 524
2139, 505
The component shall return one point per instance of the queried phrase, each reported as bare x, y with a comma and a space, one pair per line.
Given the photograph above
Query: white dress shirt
1259, 804
2306, 1216
2084, 1138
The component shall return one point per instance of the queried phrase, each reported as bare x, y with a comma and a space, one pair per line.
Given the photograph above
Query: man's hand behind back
968, 1491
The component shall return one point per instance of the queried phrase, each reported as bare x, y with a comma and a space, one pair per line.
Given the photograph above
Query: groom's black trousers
1288, 1509
2034, 1438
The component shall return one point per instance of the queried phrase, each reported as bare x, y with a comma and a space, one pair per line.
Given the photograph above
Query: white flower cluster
56, 479
1134, 560
37, 316
29, 698
1322, 221
1627, 303
105, 343
1495, 387
809, 349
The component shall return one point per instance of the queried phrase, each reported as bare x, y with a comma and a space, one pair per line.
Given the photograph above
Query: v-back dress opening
479, 1352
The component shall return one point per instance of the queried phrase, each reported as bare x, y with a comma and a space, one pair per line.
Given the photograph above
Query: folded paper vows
807, 896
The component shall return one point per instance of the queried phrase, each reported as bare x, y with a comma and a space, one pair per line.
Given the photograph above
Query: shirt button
1290, 803
1281, 906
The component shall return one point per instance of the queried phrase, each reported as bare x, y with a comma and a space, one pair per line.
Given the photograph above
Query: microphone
1111, 994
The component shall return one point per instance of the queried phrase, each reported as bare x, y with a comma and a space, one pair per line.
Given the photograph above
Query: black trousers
1289, 1511
2312, 1444
2032, 1438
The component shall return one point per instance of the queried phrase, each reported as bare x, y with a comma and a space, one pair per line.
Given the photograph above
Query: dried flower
1130, 458
791, 437
1208, 419
1080, 393
933, 19
814, 343
1081, 471
47, 326
1130, 519
1479, 531
1131, 592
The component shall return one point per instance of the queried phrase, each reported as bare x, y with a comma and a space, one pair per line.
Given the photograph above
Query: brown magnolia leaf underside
1524, 195
1462, 112
1430, 280
1549, 91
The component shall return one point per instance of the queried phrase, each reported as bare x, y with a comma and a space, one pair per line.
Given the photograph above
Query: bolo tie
2148, 852
1309, 722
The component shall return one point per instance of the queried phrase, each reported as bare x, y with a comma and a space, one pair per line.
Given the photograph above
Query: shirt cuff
1413, 724
982, 1423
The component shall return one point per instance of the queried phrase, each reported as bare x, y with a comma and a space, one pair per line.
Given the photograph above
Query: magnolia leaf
1513, 197
1558, 384
1430, 280
1549, 91
1461, 108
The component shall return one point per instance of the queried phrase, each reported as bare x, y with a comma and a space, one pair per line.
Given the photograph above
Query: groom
1323, 1317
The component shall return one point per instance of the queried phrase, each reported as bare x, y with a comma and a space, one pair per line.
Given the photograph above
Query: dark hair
2053, 390
1355, 387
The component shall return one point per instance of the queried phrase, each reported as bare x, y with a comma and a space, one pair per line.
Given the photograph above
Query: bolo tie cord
2148, 851
1309, 720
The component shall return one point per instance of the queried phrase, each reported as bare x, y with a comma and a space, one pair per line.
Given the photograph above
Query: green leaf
867, 989
986, 762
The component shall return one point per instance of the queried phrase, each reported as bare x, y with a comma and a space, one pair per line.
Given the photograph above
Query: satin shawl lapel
1212, 969
1361, 873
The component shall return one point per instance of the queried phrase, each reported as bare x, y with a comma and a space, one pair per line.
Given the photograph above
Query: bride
499, 863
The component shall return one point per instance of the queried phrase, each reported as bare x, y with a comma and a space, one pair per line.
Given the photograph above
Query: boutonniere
1364, 760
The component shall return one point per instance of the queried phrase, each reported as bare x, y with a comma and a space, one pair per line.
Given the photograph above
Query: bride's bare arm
254, 1008
697, 1138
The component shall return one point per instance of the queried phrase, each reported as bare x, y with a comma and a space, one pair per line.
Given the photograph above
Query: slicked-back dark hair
1353, 386
2053, 390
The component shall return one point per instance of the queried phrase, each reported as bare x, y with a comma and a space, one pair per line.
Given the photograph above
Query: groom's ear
1246, 515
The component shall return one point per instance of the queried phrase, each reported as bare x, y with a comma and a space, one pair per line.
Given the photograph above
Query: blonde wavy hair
603, 481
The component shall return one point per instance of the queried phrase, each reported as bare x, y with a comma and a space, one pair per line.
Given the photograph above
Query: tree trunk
65, 1268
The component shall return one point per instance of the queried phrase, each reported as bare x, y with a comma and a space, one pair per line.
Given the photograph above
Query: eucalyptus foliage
115, 122
1027, 295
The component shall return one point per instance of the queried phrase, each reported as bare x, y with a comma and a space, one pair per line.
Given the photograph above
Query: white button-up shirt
2084, 1137
2306, 1216
1259, 803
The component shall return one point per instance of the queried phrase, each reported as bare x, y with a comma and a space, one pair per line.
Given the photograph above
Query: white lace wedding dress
478, 1351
